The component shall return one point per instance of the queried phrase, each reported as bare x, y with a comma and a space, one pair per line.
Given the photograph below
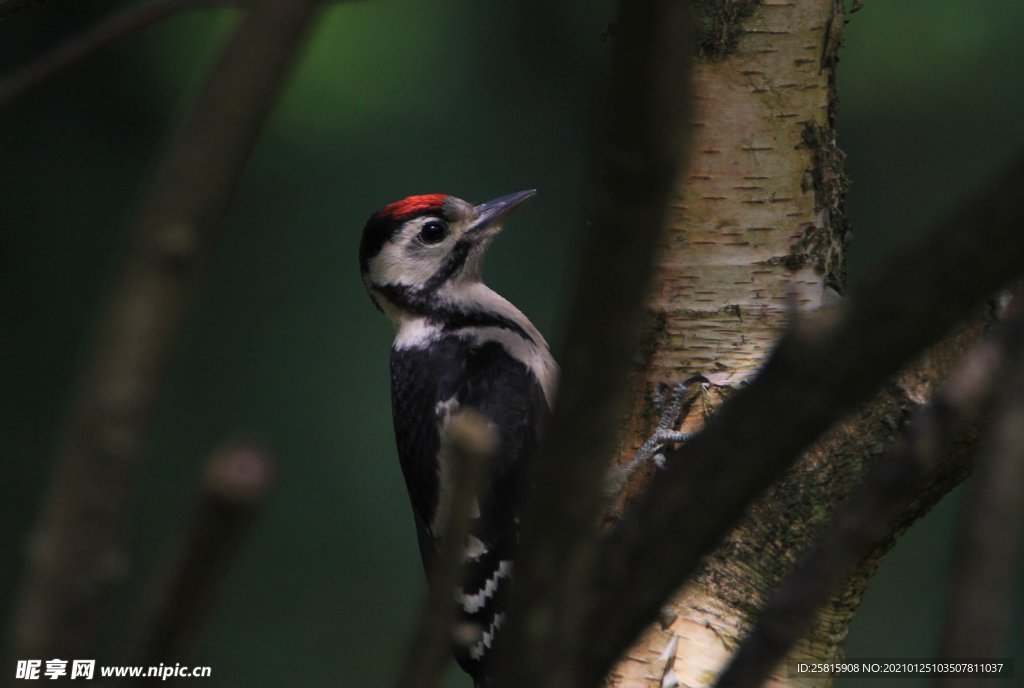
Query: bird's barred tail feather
482, 600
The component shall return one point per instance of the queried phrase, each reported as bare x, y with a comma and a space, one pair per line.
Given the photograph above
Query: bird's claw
669, 408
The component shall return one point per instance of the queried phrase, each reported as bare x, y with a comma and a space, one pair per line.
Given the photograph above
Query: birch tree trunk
758, 235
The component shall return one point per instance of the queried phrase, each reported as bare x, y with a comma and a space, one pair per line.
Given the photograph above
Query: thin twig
472, 444
181, 592
872, 509
820, 370
108, 31
77, 555
988, 545
641, 152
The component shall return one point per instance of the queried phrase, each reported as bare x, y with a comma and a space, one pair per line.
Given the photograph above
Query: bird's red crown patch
414, 204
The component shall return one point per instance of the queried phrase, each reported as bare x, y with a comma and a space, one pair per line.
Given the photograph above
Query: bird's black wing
420, 378
488, 379
505, 392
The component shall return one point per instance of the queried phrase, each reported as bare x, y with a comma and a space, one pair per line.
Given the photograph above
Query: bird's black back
484, 377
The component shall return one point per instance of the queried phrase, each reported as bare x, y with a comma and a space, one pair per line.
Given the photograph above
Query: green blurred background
398, 97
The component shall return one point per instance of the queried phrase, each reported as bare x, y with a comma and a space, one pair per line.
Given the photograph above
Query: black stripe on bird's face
453, 263
451, 318
384, 224
423, 249
381, 229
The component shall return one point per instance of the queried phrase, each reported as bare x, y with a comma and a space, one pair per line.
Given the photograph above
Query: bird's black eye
433, 232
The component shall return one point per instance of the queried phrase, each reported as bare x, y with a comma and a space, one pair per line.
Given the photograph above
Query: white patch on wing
474, 603
484, 644
534, 354
414, 332
537, 359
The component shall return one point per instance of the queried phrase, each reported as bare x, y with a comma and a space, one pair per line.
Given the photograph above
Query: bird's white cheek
395, 265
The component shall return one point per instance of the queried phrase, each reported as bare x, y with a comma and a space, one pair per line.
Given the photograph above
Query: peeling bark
757, 234
758, 229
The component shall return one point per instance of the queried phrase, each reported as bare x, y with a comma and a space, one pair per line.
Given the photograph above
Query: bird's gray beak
491, 214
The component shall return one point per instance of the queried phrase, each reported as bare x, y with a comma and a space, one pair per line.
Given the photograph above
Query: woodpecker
459, 345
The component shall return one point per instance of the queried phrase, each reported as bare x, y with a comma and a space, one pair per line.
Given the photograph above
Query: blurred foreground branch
132, 19
77, 553
988, 545
820, 370
181, 592
640, 154
472, 445
869, 515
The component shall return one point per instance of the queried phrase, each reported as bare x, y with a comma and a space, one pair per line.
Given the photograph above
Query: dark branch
639, 158
988, 544
78, 555
130, 20
869, 515
472, 443
820, 370
181, 593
